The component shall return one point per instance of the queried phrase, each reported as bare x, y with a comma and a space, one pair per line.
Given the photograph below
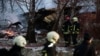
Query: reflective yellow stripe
74, 27
68, 28
45, 54
66, 32
78, 29
66, 42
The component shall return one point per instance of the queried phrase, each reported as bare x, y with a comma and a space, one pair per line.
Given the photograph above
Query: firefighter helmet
75, 19
52, 36
67, 17
20, 41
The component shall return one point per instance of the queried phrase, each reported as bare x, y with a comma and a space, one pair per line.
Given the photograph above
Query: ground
37, 47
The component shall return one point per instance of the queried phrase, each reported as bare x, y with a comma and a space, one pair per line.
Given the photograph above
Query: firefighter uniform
67, 32
49, 47
75, 30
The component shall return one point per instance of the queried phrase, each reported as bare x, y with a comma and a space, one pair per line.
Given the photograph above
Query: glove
50, 45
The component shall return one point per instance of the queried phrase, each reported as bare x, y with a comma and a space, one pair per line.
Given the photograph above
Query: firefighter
19, 42
86, 48
67, 31
75, 30
49, 47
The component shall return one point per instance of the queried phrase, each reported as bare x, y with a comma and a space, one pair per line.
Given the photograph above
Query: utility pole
98, 11
97, 26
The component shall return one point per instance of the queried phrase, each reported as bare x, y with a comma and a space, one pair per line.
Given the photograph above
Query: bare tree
60, 12
31, 23
30, 31
11, 4
18, 5
73, 5
3, 5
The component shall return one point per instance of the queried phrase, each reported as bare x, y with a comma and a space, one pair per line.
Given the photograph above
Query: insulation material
50, 18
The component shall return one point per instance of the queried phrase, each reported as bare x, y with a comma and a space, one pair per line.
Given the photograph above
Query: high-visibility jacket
75, 28
51, 38
67, 27
48, 51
